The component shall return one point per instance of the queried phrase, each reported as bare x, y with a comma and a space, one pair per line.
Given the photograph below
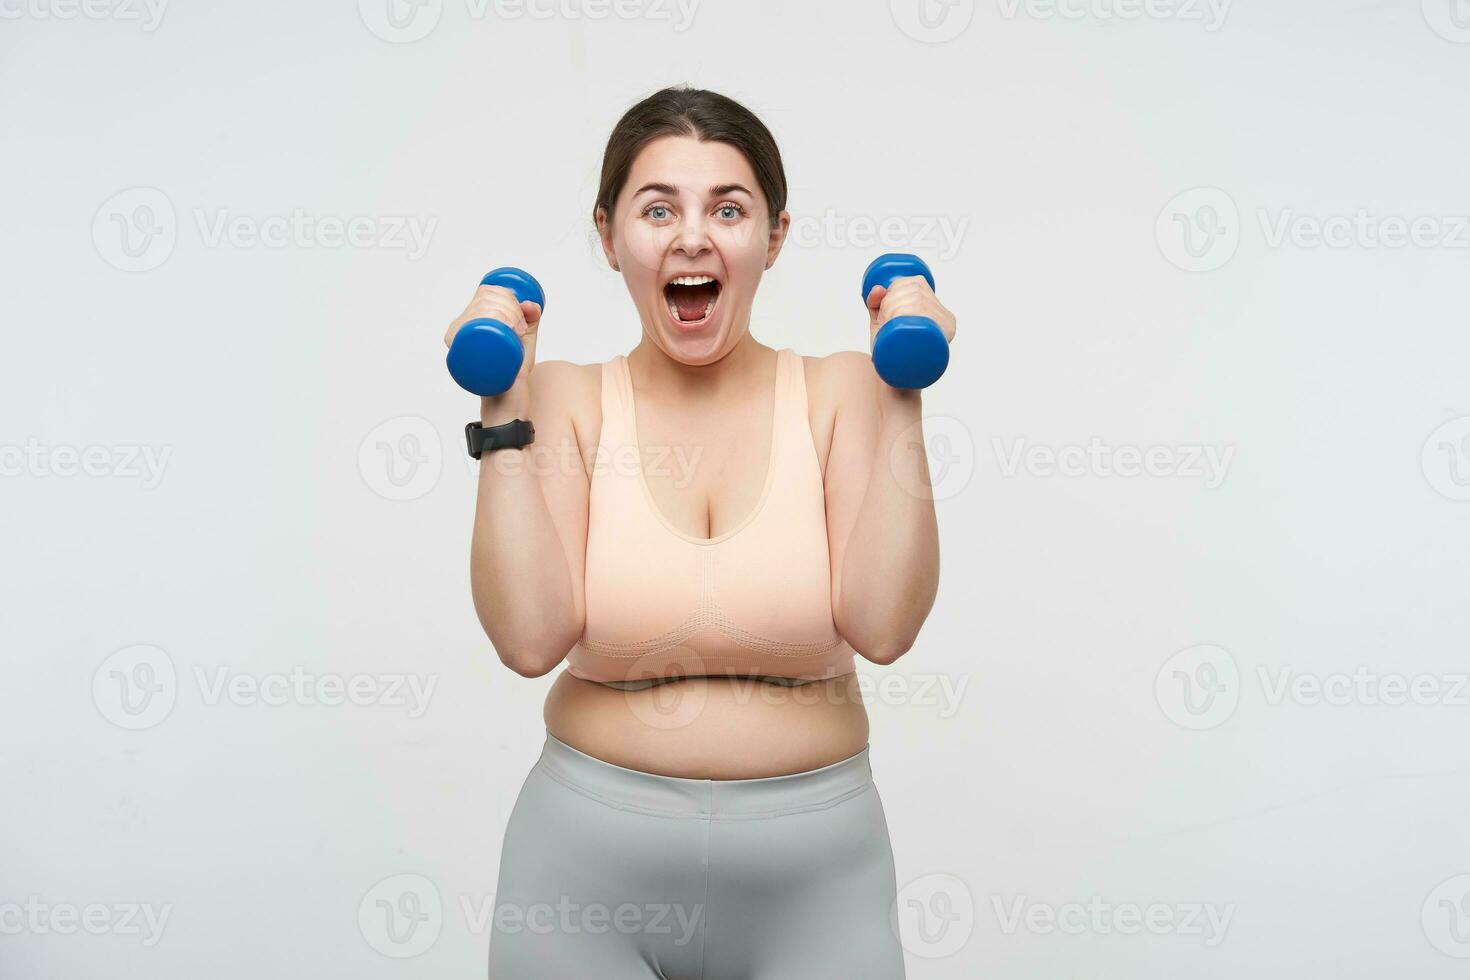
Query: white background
1116, 736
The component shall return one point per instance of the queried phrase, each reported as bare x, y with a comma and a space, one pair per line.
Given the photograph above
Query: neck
747, 365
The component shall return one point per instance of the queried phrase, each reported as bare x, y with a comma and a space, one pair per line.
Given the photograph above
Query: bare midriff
711, 727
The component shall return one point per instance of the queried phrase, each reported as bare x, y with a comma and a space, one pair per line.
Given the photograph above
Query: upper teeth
691, 280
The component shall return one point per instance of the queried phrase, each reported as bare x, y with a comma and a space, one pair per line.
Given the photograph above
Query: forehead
689, 164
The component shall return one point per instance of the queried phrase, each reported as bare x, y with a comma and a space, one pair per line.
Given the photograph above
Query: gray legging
615, 874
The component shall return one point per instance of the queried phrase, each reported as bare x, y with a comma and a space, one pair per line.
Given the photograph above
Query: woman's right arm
528, 547
530, 538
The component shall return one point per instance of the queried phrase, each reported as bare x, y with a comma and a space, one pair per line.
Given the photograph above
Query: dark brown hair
707, 116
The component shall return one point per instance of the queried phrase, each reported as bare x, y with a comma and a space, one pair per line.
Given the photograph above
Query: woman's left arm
882, 534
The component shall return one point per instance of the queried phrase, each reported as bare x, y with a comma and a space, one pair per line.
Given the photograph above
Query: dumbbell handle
908, 351
486, 355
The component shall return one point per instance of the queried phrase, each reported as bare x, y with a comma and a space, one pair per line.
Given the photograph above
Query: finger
532, 312
455, 328
487, 292
910, 284
495, 308
875, 298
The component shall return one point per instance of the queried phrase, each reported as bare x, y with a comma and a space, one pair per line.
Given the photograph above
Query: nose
692, 237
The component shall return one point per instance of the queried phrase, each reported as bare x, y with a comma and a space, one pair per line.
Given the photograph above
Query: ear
777, 237
604, 232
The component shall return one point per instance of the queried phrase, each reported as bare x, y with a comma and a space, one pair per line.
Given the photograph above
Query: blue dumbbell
486, 355
909, 351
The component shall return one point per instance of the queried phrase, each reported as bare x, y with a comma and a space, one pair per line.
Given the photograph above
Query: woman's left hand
907, 296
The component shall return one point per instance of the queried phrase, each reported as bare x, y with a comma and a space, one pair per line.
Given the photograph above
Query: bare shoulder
836, 383
567, 380
838, 379
569, 393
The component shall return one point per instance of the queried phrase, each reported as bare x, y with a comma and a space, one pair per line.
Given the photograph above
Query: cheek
745, 242
641, 251
744, 252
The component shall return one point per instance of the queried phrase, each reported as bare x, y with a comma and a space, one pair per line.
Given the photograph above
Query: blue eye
735, 209
656, 211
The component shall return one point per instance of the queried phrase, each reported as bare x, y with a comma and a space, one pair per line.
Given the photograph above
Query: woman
707, 530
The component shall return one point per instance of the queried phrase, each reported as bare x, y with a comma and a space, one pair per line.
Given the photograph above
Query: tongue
691, 301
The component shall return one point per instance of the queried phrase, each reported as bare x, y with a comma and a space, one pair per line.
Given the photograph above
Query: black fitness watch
510, 435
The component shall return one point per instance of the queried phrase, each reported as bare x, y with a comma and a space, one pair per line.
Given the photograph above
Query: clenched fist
907, 296
500, 303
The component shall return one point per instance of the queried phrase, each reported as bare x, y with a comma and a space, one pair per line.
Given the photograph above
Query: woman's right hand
499, 303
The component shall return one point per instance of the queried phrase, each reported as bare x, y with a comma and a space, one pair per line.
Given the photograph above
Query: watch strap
508, 435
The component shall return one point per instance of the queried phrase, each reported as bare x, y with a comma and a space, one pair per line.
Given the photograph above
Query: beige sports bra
754, 602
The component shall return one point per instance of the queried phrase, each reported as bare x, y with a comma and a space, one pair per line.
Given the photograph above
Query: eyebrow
715, 191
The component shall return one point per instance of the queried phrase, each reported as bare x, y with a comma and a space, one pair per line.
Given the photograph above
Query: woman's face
691, 233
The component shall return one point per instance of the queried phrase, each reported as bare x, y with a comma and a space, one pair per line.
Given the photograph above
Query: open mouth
691, 299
